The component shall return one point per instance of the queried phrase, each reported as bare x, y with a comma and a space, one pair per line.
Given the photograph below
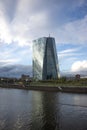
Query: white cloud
25, 25
73, 32
68, 53
5, 34
15, 54
79, 66
30, 23
33, 27
8, 62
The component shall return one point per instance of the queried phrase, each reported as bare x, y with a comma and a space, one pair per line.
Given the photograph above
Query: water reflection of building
45, 111
45, 62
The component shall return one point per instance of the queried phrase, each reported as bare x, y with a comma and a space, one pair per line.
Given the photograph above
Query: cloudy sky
22, 21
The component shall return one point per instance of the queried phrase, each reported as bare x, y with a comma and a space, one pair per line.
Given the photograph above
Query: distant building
45, 61
77, 76
25, 77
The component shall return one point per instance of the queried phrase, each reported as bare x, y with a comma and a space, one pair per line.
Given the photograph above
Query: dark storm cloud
15, 70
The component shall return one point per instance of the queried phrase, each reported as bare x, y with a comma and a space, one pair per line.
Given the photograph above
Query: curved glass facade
45, 62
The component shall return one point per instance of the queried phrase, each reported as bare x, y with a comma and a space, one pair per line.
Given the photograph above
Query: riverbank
69, 89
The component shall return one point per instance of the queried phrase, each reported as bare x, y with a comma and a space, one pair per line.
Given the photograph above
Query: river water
39, 110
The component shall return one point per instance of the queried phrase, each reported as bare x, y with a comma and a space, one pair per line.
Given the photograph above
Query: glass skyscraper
45, 61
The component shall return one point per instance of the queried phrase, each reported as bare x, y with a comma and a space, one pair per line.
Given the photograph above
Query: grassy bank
69, 89
61, 82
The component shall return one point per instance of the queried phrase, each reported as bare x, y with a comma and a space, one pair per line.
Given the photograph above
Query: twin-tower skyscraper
45, 60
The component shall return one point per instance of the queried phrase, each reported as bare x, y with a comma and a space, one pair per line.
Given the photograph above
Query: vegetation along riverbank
62, 85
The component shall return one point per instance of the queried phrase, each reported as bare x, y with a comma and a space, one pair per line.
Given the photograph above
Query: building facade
45, 61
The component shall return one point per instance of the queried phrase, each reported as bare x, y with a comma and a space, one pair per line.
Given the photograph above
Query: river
41, 110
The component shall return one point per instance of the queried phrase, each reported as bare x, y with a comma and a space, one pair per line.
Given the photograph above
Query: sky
22, 21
